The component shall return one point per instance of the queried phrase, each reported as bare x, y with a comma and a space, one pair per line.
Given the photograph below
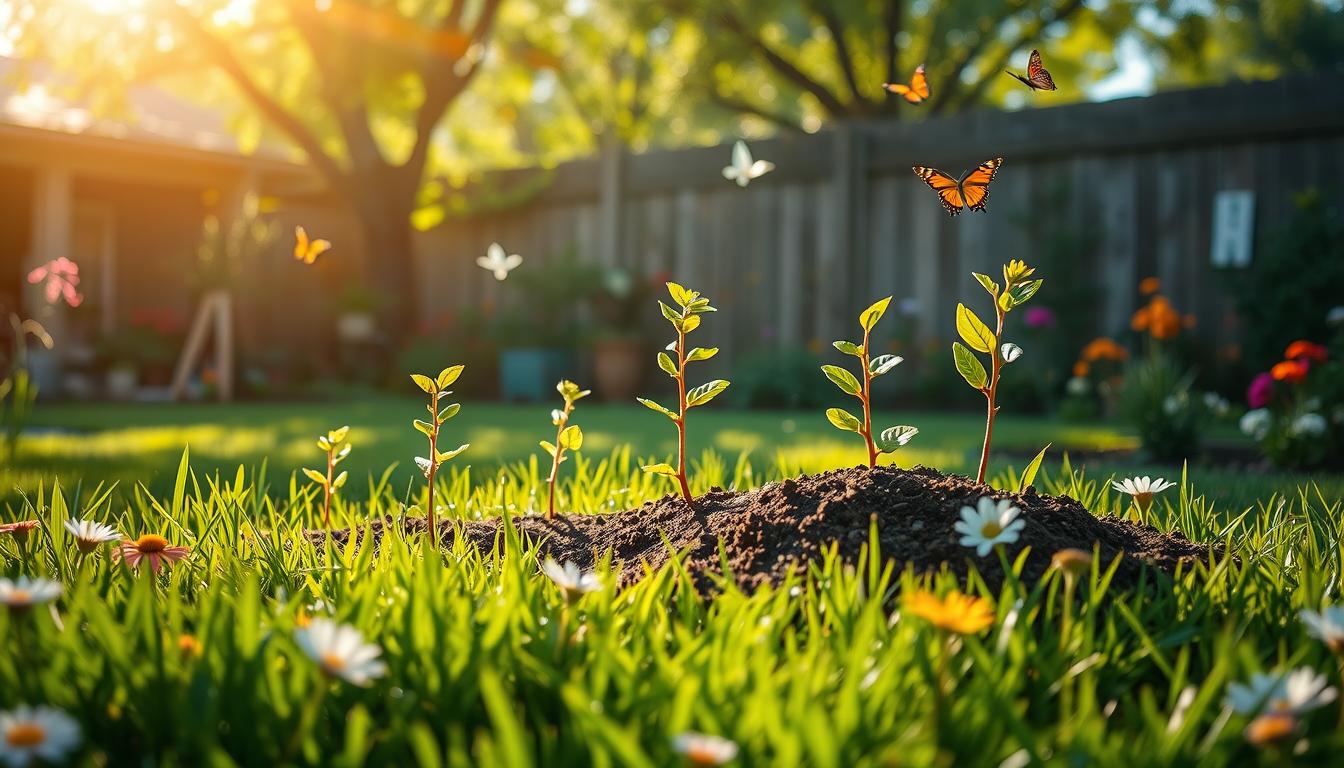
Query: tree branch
738, 105
826, 11
948, 87
973, 95
784, 67
272, 110
892, 21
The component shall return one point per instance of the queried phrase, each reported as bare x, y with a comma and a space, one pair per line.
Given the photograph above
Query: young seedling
337, 449
891, 439
1015, 292
683, 320
568, 437
436, 388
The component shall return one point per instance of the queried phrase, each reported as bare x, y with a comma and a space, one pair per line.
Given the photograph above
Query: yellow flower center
333, 662
151, 543
25, 735
991, 529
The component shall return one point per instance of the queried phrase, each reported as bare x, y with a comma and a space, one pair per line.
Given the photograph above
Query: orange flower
1159, 319
1149, 285
959, 613
20, 529
1303, 349
1081, 368
1188, 321
153, 548
1104, 348
1290, 371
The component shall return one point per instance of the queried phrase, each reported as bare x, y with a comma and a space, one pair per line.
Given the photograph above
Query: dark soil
783, 526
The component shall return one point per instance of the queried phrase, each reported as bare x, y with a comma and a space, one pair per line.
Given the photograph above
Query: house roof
153, 119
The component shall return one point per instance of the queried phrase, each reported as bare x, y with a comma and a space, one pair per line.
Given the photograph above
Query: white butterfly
743, 169
497, 262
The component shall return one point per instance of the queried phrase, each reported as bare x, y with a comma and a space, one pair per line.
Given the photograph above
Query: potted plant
620, 348
538, 332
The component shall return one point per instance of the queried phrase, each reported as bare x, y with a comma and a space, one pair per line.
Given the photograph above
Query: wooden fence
1100, 195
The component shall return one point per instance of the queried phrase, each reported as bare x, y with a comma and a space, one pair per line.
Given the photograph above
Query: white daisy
340, 650
1256, 423
24, 593
1327, 626
572, 581
989, 523
1298, 691
704, 749
1308, 424
42, 733
1142, 489
90, 535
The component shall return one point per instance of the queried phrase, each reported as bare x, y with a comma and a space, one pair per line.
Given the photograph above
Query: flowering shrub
1297, 408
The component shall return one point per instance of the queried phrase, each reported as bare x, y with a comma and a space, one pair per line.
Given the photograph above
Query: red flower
152, 548
1305, 350
1290, 371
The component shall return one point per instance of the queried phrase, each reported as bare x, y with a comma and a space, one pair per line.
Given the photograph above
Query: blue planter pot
529, 374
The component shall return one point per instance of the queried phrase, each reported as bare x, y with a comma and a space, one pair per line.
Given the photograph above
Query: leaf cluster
437, 389
337, 447
891, 438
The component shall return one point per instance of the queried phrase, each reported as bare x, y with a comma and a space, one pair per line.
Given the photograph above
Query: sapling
568, 437
684, 320
891, 439
1016, 290
337, 448
436, 388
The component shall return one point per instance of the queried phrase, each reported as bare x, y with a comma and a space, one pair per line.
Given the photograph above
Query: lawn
134, 444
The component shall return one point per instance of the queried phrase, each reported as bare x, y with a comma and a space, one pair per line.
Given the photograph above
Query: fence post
610, 180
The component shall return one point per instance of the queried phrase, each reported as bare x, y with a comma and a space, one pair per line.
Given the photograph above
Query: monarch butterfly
916, 91
969, 191
1038, 77
306, 250
744, 169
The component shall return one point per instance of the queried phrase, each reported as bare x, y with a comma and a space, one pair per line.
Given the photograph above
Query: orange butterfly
969, 191
306, 250
1038, 77
916, 91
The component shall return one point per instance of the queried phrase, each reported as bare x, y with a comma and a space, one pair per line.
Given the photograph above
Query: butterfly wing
300, 243
512, 262
741, 156
919, 86
949, 191
760, 168
975, 187
1037, 75
731, 173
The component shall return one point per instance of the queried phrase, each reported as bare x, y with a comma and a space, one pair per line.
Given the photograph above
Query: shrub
780, 378
1297, 409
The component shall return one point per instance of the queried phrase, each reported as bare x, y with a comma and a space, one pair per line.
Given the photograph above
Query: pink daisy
20, 529
153, 548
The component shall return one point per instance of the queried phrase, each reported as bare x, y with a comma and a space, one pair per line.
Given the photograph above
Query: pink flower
153, 548
62, 281
1261, 391
1040, 317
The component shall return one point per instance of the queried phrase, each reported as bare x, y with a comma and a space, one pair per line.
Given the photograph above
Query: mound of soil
781, 526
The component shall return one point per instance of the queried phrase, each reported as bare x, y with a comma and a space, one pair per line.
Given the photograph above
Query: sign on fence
1233, 228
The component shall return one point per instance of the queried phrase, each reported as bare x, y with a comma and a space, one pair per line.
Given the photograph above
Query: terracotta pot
618, 368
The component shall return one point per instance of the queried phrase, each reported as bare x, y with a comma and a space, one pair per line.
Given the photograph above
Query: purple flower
1261, 391
1040, 317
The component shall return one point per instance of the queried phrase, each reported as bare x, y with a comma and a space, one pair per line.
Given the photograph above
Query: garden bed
782, 526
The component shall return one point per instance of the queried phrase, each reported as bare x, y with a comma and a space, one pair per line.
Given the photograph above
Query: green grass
140, 443
488, 666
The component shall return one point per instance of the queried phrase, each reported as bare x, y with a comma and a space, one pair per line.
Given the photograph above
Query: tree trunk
384, 211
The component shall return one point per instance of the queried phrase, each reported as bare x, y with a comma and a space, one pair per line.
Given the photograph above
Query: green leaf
848, 347
557, 416
449, 375
1029, 474
869, 317
975, 333
988, 283
315, 476
969, 366
423, 382
548, 447
656, 407
702, 353
672, 315
665, 362
1020, 294
446, 455
337, 436
571, 437
690, 324
324, 444
423, 426
843, 379
339, 481
679, 294
843, 419
449, 411
883, 364
700, 306
660, 469
893, 438
705, 392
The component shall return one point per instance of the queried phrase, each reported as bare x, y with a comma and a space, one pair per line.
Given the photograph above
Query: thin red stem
555, 460
866, 399
433, 468
326, 489
681, 414
991, 393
